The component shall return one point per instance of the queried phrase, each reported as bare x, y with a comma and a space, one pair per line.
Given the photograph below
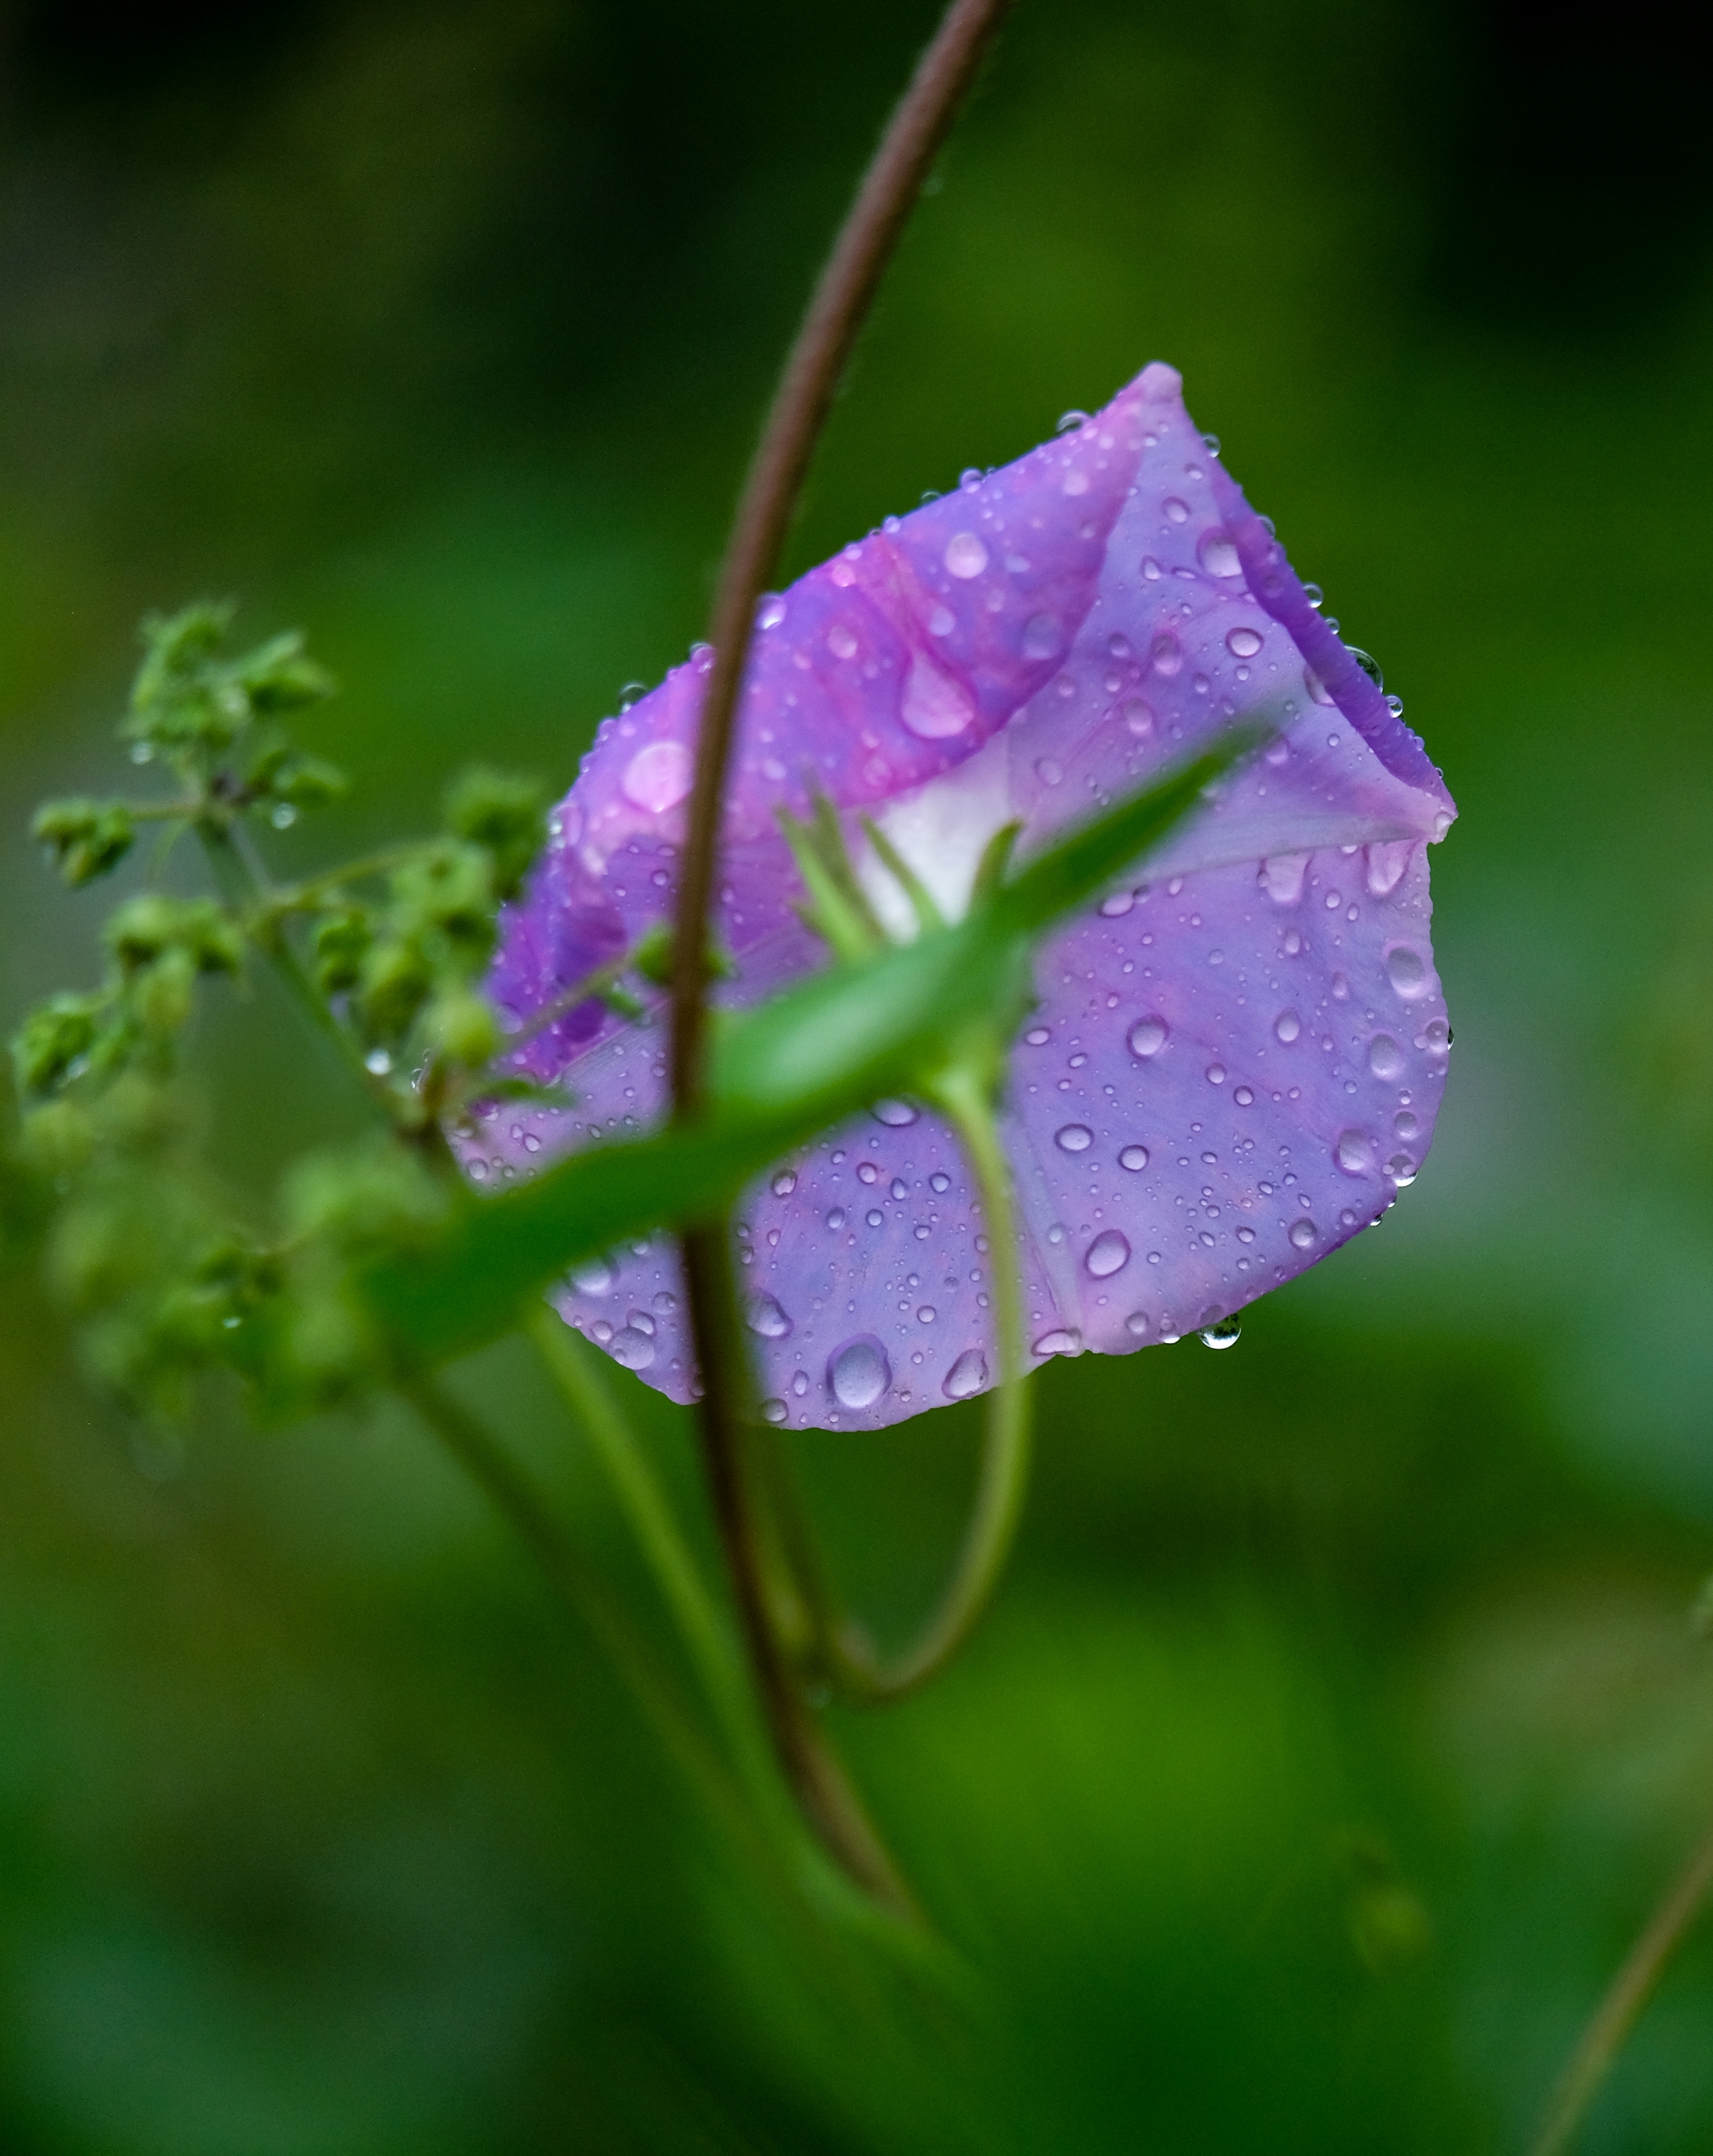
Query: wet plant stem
1618, 2013
817, 1778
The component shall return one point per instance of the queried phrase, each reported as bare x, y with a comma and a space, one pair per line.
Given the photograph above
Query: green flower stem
304, 897
839, 1651
706, 1636
1604, 2037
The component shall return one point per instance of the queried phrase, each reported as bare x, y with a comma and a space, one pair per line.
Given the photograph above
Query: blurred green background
1342, 1714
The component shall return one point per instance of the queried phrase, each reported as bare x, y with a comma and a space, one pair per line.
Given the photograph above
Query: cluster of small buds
140, 1244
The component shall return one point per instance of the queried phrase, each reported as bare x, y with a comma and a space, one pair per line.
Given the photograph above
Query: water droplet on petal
1370, 665
1148, 1036
1048, 772
1303, 1234
896, 1115
1354, 1152
1134, 1157
1043, 637
1150, 568
1242, 642
1387, 859
933, 706
1176, 512
1225, 1334
1138, 718
1073, 1137
1316, 686
773, 1411
1059, 1341
765, 1316
841, 641
632, 1348
939, 1182
1117, 905
966, 556
1136, 1324
835, 1218
1282, 877
770, 610
859, 1373
594, 1277
1216, 1073
1243, 1097
1165, 656
783, 1184
1385, 1057
659, 777
1218, 557
1402, 1170
1108, 1254
1287, 1027
967, 1376
1407, 972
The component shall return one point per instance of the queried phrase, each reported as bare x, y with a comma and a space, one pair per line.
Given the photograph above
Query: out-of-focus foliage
1345, 1714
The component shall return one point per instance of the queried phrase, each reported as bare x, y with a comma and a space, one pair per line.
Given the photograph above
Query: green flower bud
444, 900
144, 928
86, 838
506, 816
57, 1138
343, 941
54, 1042
394, 982
463, 1027
309, 781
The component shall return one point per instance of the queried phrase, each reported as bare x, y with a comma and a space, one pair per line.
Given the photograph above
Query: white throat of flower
942, 829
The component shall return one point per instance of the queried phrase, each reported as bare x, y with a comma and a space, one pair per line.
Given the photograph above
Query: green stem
706, 1636
245, 891
845, 1657
304, 897
1618, 2011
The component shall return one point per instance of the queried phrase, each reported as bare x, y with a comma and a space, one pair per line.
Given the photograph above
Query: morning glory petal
1235, 1065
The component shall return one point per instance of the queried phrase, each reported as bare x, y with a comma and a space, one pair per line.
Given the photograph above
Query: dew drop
1436, 1037
966, 556
1165, 656
1073, 1137
967, 1376
1150, 568
841, 641
632, 1348
933, 706
1218, 557
1354, 1152
1048, 772
1303, 1234
1287, 1027
1243, 1097
1138, 718
874, 1220
784, 1182
770, 610
1147, 1037
1387, 859
1385, 1057
859, 1373
377, 1062
1369, 665
595, 1276
896, 1115
1115, 907
1407, 972
1134, 1158
941, 621
1405, 1124
765, 1317
1401, 1170
1225, 1334
1316, 686
1108, 1254
939, 1182
1282, 877
1042, 638
1176, 512
1216, 1073
1136, 1324
1037, 1036
836, 1218
1242, 642
659, 777
1061, 1341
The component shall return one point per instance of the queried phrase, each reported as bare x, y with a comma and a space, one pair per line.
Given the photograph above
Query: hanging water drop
859, 1373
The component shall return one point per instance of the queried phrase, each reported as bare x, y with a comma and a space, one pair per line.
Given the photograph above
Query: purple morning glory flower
1234, 1064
